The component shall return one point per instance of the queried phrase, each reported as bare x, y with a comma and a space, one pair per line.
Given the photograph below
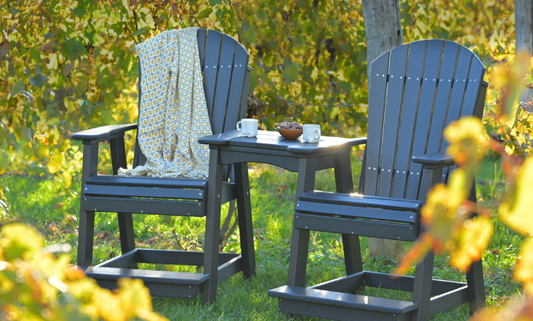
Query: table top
274, 141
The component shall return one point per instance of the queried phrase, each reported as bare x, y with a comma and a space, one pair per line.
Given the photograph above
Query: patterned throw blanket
173, 112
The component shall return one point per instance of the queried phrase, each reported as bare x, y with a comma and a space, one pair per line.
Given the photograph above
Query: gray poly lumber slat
343, 284
122, 261
446, 103
202, 35
425, 109
326, 311
144, 206
143, 192
361, 302
175, 257
443, 98
169, 277
461, 81
155, 288
475, 81
355, 212
381, 229
147, 181
376, 103
212, 55
448, 300
220, 103
417, 52
406, 283
235, 104
393, 110
362, 200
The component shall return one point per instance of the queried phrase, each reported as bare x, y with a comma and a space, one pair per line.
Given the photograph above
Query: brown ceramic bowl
290, 134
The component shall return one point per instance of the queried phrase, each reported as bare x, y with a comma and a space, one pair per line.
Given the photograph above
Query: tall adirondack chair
415, 91
224, 64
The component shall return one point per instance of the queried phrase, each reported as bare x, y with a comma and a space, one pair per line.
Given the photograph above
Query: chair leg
244, 212
298, 258
352, 253
127, 236
85, 238
212, 229
476, 287
422, 288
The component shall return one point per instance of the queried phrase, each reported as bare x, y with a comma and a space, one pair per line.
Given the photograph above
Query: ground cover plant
52, 207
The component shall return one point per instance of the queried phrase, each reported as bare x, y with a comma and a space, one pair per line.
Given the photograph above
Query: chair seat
150, 195
356, 214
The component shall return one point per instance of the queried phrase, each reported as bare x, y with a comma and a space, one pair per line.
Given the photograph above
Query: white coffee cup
247, 127
311, 133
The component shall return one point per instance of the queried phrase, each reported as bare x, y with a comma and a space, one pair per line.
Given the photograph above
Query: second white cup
247, 127
311, 133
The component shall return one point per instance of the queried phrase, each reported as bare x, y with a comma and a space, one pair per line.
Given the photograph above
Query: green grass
53, 209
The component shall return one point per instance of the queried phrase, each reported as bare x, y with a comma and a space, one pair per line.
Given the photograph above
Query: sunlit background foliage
70, 65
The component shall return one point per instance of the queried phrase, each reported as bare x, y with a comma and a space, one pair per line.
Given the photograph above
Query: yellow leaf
19, 240
515, 211
56, 162
52, 65
472, 240
69, 104
524, 268
43, 151
67, 179
468, 140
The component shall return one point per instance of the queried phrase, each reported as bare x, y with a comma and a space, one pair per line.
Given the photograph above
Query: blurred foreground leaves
38, 284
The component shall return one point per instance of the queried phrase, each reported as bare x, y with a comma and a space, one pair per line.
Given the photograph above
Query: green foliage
70, 65
309, 62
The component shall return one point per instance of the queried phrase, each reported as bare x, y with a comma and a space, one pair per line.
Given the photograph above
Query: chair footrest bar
163, 283
325, 304
385, 281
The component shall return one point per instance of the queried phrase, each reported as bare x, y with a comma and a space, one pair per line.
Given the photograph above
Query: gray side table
295, 156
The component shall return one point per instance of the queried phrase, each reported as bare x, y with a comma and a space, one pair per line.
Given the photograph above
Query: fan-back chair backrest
224, 63
415, 91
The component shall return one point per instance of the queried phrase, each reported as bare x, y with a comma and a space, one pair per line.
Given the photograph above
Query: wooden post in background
524, 34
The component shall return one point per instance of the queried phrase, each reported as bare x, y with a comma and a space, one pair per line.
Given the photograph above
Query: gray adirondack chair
415, 91
226, 72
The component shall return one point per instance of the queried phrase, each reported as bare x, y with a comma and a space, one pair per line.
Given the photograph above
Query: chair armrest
358, 141
219, 139
102, 133
434, 160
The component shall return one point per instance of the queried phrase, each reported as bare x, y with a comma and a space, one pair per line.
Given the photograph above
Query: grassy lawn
53, 209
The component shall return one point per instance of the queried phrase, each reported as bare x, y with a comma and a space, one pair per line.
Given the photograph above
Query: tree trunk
383, 32
524, 33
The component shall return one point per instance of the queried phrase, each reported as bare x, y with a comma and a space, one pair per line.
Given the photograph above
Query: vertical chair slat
238, 76
378, 87
461, 76
442, 101
425, 109
417, 53
223, 83
212, 54
202, 35
393, 109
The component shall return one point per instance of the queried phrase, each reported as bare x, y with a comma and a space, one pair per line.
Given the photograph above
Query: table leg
300, 238
343, 173
212, 235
